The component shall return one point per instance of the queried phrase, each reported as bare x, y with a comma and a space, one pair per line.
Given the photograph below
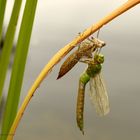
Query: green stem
2, 12
8, 43
19, 65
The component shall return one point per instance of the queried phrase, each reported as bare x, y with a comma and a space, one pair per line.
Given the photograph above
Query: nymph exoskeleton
85, 50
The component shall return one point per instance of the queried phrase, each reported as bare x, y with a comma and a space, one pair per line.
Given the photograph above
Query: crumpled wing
99, 95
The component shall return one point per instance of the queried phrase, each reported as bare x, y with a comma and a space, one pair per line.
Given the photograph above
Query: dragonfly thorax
93, 69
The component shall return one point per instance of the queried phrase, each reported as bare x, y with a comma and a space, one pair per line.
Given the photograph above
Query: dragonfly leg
87, 60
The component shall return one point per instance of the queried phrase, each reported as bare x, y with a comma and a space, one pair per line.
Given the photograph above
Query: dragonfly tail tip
83, 132
58, 77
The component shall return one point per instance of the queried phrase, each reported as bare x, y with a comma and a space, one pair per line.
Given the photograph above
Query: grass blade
19, 65
8, 43
2, 12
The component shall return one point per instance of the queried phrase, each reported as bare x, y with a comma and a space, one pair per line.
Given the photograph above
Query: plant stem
18, 66
2, 12
4, 60
8, 43
60, 54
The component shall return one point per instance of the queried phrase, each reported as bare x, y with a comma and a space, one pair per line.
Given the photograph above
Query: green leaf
8, 43
2, 12
19, 65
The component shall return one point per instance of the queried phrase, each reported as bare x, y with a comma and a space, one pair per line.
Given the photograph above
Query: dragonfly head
98, 43
99, 58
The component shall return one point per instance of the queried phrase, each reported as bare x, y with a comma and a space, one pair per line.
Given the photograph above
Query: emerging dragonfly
92, 73
98, 93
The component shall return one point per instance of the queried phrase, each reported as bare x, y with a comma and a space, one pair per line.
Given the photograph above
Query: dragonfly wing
99, 95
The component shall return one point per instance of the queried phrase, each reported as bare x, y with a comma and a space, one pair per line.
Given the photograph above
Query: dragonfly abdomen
84, 78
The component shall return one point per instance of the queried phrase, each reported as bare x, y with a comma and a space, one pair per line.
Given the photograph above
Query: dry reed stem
64, 51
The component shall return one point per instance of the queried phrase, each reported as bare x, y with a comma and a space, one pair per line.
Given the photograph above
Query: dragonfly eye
101, 44
99, 58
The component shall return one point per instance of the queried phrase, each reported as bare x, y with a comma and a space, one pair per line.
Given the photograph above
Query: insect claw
92, 37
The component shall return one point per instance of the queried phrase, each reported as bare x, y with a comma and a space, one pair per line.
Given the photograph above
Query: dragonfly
89, 53
98, 92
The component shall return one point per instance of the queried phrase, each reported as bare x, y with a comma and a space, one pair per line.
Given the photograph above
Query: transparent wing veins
98, 95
